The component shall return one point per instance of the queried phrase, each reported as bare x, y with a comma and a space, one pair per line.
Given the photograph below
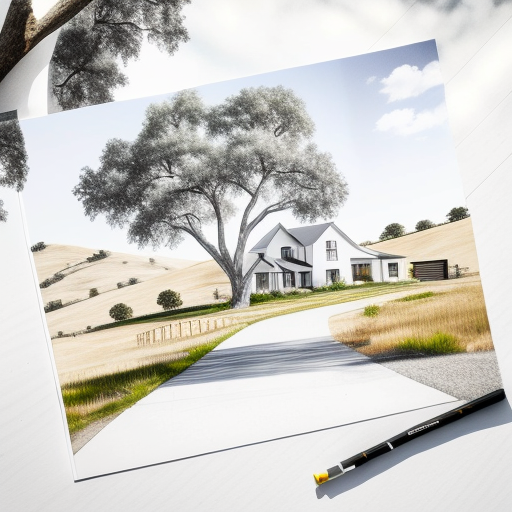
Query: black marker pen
409, 435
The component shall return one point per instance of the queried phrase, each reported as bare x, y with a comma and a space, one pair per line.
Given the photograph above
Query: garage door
430, 270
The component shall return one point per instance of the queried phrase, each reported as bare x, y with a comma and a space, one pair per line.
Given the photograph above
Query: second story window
332, 251
286, 253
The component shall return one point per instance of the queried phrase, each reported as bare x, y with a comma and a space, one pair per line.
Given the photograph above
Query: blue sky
381, 116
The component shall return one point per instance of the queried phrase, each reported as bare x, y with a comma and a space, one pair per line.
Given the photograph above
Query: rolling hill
454, 242
195, 281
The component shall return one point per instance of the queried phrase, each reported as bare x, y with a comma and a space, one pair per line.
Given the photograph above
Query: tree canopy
192, 165
169, 299
120, 312
457, 213
85, 70
424, 224
392, 231
13, 156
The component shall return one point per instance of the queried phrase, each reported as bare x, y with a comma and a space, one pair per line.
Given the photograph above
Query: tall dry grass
459, 312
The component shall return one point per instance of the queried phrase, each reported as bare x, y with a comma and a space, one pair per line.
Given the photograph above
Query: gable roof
308, 235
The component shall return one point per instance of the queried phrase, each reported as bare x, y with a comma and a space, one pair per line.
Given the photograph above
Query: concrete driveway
277, 378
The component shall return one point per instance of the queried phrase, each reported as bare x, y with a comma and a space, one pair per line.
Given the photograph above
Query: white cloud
406, 121
371, 79
409, 81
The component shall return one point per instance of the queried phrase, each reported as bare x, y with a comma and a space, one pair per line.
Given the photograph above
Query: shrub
125, 262
365, 243
216, 294
152, 261
458, 213
88, 327
52, 280
133, 280
98, 256
93, 292
53, 305
438, 343
333, 287
365, 279
60, 333
424, 224
120, 285
121, 312
371, 310
392, 231
169, 299
38, 247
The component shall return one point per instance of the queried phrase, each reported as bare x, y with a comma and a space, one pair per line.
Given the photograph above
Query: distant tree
392, 231
169, 299
152, 261
191, 166
121, 312
120, 284
133, 280
458, 213
13, 156
424, 224
93, 292
365, 243
40, 246
84, 69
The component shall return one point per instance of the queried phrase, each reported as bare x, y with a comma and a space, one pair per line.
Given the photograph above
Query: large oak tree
192, 165
13, 156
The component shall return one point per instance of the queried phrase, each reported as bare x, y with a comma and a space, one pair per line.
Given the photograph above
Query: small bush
52, 280
93, 292
60, 333
133, 280
152, 261
38, 247
333, 287
121, 312
216, 294
98, 256
371, 310
88, 327
439, 343
120, 285
53, 305
169, 299
416, 296
125, 262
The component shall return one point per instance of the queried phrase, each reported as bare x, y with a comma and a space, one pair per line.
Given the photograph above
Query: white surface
465, 466
277, 378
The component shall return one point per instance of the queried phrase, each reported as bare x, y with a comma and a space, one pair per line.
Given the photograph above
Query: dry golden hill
454, 242
195, 283
103, 274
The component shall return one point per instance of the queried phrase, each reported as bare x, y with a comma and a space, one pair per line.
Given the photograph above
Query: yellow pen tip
320, 478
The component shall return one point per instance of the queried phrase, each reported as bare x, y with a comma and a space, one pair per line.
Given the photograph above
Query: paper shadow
496, 415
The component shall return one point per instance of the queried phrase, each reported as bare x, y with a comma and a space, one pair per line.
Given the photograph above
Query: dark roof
308, 235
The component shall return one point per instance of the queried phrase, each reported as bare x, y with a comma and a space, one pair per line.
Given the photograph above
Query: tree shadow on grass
496, 415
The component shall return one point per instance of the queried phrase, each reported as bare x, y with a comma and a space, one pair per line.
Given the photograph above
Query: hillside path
276, 378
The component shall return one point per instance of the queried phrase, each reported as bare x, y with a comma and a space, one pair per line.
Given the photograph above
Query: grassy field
436, 321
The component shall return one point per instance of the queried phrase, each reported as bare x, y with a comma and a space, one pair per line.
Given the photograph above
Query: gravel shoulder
465, 376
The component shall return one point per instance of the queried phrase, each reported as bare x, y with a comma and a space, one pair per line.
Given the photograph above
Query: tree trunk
241, 293
22, 31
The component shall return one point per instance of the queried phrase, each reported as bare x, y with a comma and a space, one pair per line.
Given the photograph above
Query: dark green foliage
416, 296
60, 333
85, 66
392, 231
52, 280
371, 311
40, 246
258, 298
133, 280
439, 343
121, 312
365, 278
424, 224
93, 292
101, 254
169, 299
13, 156
333, 287
458, 213
120, 284
365, 243
53, 305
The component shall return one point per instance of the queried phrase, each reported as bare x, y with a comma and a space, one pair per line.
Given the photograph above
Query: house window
361, 271
288, 279
262, 282
393, 269
305, 279
332, 276
286, 253
331, 250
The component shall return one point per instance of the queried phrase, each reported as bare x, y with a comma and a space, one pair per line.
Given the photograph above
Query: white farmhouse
316, 256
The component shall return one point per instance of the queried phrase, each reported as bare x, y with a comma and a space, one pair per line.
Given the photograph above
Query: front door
262, 282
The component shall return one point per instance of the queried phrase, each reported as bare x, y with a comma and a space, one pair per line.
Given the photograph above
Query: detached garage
435, 270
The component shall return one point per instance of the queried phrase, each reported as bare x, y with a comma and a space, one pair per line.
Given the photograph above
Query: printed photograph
255, 259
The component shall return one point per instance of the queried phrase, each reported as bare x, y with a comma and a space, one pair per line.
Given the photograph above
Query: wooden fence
182, 329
